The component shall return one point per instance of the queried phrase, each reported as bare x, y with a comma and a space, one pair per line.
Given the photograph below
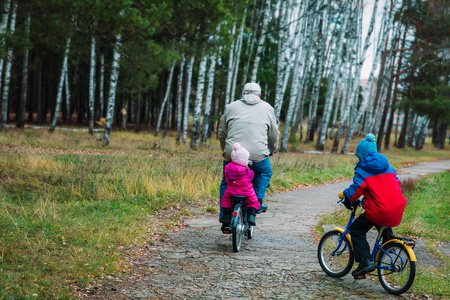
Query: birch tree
3, 24
187, 94
9, 58
262, 38
179, 104
66, 85
60, 86
333, 77
198, 103
368, 90
209, 97
355, 86
293, 97
281, 64
114, 77
318, 78
24, 89
230, 68
92, 87
166, 97
101, 98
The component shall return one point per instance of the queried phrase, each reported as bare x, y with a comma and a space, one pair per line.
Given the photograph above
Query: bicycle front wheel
396, 271
238, 231
336, 260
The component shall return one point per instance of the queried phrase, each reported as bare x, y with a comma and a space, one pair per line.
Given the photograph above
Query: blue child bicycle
394, 259
239, 226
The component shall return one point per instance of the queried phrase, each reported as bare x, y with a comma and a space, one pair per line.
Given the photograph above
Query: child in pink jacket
239, 183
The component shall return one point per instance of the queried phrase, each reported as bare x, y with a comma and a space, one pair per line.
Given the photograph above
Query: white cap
252, 87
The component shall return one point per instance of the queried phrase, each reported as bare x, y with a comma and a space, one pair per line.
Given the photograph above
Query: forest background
176, 64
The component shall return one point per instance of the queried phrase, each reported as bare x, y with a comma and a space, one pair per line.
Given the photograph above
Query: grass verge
71, 207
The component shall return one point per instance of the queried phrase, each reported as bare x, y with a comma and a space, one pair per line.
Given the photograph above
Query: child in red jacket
384, 204
239, 182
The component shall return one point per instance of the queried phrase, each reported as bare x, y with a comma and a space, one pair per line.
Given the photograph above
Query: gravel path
280, 262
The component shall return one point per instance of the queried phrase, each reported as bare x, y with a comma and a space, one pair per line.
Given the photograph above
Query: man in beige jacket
250, 122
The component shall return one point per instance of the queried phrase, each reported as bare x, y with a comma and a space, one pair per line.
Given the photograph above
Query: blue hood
374, 163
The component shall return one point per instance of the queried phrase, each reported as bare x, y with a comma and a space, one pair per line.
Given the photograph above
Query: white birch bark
332, 79
230, 68
293, 97
198, 103
209, 96
114, 78
166, 97
3, 25
92, 87
60, 87
262, 38
312, 114
355, 86
420, 131
237, 60
187, 94
281, 64
179, 104
66, 85
24, 89
252, 37
368, 89
101, 98
9, 58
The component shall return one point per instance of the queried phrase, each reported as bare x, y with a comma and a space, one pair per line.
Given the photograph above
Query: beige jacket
251, 122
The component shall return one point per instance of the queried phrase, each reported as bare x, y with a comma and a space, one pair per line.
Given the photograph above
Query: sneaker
225, 227
251, 220
262, 207
365, 266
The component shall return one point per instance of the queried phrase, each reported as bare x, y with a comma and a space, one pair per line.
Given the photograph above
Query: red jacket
377, 181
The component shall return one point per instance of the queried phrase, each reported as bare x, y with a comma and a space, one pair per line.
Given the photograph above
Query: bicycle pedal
360, 276
226, 231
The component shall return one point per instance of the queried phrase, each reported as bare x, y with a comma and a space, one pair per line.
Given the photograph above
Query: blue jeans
263, 173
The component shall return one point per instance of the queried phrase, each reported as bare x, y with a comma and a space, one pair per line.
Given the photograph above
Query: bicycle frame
377, 249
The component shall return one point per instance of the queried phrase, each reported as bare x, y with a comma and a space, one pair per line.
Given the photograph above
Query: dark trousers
358, 231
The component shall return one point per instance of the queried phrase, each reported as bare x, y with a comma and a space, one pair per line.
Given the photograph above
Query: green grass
71, 207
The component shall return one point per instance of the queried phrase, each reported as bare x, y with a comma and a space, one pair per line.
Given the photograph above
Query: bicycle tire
335, 265
401, 276
250, 232
237, 231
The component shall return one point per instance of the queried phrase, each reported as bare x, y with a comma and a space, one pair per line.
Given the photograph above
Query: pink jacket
239, 183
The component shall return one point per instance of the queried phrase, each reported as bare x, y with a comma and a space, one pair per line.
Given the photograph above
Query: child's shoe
365, 266
251, 216
226, 218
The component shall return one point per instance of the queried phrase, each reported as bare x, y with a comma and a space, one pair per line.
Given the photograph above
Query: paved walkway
280, 262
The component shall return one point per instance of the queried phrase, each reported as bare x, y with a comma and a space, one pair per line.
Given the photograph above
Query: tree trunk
262, 38
24, 88
198, 103
60, 87
187, 94
332, 80
92, 87
166, 97
209, 96
102, 84
114, 78
68, 111
228, 95
9, 58
355, 86
179, 104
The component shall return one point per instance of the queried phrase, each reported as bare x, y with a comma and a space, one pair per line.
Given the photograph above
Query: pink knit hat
239, 154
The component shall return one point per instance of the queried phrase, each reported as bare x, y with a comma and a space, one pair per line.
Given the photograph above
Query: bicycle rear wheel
336, 262
238, 231
401, 271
